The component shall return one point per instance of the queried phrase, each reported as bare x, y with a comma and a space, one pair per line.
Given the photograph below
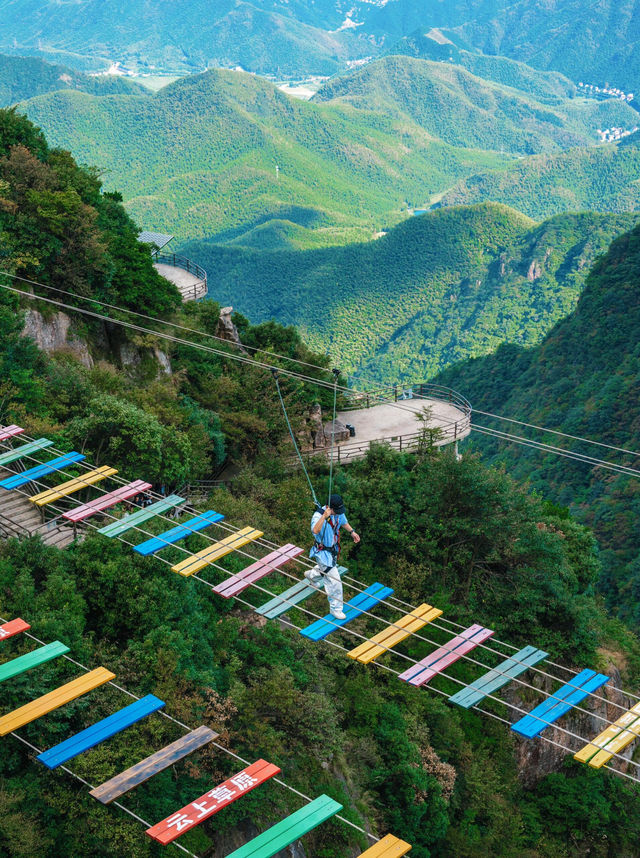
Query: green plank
24, 450
129, 521
32, 659
285, 833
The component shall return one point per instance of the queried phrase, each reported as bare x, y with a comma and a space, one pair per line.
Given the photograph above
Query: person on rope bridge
325, 527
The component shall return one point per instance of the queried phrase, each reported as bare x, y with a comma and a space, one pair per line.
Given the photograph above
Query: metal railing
398, 393
177, 261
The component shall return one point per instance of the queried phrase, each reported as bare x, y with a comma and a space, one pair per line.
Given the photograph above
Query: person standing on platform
325, 527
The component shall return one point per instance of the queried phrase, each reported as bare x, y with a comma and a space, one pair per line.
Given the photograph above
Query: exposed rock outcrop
316, 429
227, 330
53, 334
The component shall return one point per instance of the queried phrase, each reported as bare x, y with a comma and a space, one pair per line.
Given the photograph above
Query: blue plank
97, 733
50, 467
559, 704
498, 677
199, 522
358, 605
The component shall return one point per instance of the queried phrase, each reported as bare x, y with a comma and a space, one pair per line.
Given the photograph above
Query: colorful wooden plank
150, 766
612, 740
441, 658
214, 552
13, 627
25, 450
394, 634
116, 528
211, 802
559, 703
50, 467
502, 675
100, 731
169, 537
287, 600
239, 582
71, 486
86, 510
10, 432
31, 659
54, 699
284, 833
388, 847
358, 605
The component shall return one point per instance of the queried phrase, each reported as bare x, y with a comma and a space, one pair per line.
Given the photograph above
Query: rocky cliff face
55, 334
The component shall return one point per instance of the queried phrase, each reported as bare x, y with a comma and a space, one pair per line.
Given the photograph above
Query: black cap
337, 504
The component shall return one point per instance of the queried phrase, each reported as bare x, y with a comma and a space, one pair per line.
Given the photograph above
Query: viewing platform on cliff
392, 416
189, 278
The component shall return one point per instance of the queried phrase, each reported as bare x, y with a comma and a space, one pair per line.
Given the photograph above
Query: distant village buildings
609, 135
604, 91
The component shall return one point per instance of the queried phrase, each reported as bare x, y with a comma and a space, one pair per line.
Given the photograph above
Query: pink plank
211, 802
437, 661
10, 432
13, 627
106, 501
237, 583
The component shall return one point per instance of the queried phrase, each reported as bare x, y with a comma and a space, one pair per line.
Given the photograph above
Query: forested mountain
440, 287
582, 379
25, 77
454, 532
199, 158
225, 153
465, 110
602, 179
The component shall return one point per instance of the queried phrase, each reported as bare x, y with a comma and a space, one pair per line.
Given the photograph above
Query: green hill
465, 110
25, 77
604, 178
437, 288
582, 379
199, 157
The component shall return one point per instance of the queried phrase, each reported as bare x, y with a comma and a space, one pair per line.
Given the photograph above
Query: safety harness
334, 549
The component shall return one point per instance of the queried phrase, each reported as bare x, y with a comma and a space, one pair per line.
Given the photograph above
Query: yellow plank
71, 486
619, 743
388, 847
54, 699
214, 552
392, 635
608, 735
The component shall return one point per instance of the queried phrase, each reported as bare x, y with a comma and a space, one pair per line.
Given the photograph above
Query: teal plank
285, 833
116, 528
498, 677
32, 659
282, 603
25, 450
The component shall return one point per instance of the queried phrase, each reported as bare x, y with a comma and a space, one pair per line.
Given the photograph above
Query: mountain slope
604, 178
199, 158
25, 77
464, 110
436, 289
582, 379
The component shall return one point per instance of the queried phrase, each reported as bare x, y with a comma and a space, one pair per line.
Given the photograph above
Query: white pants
329, 577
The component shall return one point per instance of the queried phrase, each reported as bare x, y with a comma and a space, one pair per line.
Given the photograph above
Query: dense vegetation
463, 536
25, 77
598, 179
466, 110
582, 379
450, 284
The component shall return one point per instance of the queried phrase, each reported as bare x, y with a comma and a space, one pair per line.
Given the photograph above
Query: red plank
236, 584
211, 802
106, 501
13, 627
10, 432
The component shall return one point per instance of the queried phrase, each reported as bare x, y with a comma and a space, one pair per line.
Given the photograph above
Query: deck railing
177, 261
